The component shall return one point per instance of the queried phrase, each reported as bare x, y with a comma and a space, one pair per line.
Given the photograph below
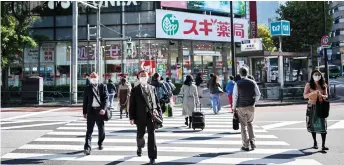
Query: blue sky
266, 10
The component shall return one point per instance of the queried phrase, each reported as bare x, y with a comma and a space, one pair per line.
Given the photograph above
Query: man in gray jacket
245, 95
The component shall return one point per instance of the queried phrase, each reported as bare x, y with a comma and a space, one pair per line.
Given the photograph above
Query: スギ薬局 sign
180, 25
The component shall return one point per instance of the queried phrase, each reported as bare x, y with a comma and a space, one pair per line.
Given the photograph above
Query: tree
264, 33
306, 23
16, 22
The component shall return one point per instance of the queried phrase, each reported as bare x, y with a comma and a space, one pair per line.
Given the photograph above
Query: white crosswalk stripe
218, 143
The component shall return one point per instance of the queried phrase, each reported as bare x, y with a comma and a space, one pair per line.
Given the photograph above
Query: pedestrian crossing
218, 143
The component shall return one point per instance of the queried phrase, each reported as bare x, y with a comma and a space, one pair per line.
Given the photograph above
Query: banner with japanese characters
47, 52
181, 25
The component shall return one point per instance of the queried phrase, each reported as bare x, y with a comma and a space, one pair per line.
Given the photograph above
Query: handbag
235, 121
108, 112
218, 89
322, 108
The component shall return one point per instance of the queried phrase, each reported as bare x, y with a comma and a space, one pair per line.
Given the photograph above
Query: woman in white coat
190, 99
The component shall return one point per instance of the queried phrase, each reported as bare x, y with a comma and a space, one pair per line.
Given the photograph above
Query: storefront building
172, 38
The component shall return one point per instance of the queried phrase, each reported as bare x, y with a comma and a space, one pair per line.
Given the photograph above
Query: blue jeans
111, 96
215, 102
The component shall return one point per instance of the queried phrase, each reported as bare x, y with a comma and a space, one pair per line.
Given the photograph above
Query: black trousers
94, 118
141, 130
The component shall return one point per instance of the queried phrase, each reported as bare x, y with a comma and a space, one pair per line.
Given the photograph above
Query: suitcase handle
200, 107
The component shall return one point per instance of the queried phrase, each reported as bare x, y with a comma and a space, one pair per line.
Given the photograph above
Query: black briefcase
235, 121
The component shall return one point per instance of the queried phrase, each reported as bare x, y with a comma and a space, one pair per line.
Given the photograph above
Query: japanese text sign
280, 28
255, 44
180, 25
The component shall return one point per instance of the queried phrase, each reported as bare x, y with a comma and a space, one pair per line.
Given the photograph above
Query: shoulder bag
322, 108
108, 112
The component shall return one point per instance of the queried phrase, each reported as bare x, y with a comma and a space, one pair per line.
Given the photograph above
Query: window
139, 17
44, 21
140, 31
111, 32
44, 34
67, 33
105, 18
141, 6
68, 20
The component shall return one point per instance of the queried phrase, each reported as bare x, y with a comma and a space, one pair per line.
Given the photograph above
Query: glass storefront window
111, 32
105, 18
112, 53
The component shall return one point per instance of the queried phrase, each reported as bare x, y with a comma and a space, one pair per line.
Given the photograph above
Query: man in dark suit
95, 102
143, 101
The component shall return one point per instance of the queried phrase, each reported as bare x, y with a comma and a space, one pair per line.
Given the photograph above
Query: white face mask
143, 80
316, 78
94, 80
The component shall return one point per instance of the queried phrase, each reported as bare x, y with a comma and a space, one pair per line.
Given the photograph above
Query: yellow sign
229, 62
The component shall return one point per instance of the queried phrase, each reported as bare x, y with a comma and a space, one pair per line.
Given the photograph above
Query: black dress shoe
87, 151
139, 152
324, 148
100, 147
245, 149
315, 146
152, 161
253, 145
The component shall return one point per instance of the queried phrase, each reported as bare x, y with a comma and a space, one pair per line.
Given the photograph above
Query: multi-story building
174, 38
337, 34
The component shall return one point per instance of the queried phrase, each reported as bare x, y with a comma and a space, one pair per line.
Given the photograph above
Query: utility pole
98, 49
325, 49
232, 40
74, 55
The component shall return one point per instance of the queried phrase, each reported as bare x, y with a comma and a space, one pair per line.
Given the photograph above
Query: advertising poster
239, 7
47, 53
149, 66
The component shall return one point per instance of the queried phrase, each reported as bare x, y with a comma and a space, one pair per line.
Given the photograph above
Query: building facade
172, 38
337, 34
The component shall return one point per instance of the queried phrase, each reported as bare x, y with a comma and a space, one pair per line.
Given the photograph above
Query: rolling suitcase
198, 119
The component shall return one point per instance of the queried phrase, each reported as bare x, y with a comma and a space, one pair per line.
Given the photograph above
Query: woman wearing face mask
316, 89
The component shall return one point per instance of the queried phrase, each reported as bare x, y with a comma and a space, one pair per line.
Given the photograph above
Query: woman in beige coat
123, 95
190, 99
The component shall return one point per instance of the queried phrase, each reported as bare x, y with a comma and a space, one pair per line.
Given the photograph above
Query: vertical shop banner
47, 53
149, 66
181, 25
253, 19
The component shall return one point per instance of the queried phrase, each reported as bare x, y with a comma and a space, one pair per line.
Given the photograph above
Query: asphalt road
339, 86
55, 136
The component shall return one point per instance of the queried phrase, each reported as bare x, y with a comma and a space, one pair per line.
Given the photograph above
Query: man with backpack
170, 88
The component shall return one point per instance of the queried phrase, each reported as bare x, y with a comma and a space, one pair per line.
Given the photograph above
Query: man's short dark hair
243, 71
231, 77
142, 71
211, 74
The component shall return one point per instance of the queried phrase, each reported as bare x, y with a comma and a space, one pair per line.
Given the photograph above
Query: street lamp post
74, 56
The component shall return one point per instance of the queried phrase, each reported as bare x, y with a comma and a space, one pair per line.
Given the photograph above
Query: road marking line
169, 141
280, 124
181, 128
161, 134
161, 159
32, 125
164, 149
165, 125
32, 114
338, 125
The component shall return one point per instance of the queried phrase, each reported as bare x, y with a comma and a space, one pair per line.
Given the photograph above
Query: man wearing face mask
143, 101
94, 104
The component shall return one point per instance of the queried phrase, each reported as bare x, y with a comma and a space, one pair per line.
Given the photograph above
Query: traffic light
129, 48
